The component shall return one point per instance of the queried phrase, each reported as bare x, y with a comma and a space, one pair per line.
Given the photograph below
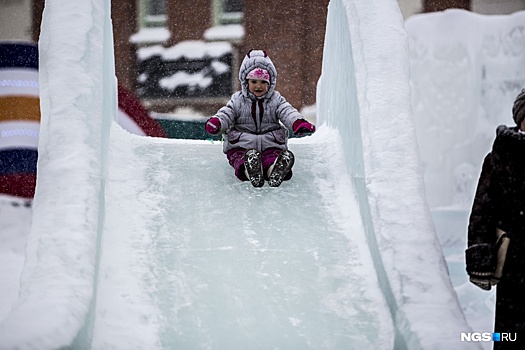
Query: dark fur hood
509, 142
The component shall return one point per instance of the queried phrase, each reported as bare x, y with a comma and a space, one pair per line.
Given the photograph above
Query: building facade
292, 33
149, 34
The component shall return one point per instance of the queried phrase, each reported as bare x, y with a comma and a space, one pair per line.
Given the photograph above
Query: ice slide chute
172, 251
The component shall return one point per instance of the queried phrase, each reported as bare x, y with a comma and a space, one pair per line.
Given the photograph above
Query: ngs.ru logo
487, 336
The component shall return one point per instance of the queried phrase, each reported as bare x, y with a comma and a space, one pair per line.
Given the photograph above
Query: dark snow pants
236, 159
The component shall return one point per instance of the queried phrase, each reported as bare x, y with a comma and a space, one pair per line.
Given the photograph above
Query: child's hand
213, 126
301, 126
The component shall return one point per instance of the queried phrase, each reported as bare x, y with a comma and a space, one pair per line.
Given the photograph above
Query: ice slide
144, 243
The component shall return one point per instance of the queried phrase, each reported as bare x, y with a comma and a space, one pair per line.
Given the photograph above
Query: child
255, 142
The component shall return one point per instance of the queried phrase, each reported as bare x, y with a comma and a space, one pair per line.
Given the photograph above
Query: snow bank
466, 70
58, 279
366, 56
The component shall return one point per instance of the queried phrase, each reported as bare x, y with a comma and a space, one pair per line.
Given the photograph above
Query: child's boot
253, 166
283, 164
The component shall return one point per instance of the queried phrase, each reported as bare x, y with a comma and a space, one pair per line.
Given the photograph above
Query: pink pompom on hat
259, 74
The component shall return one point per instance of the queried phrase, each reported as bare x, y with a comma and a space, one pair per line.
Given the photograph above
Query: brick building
441, 5
292, 32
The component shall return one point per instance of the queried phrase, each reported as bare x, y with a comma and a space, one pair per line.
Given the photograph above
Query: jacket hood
509, 142
505, 133
257, 59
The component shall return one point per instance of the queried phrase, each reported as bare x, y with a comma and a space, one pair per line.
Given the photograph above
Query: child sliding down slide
255, 143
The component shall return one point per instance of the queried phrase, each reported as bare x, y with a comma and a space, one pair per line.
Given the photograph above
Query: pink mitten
213, 126
301, 126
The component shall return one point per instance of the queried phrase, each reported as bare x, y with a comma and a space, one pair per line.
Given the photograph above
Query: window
153, 13
230, 6
152, 23
156, 7
228, 12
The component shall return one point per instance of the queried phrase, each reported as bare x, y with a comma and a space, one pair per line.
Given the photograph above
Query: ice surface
225, 265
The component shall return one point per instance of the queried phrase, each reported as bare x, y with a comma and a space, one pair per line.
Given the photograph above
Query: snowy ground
15, 223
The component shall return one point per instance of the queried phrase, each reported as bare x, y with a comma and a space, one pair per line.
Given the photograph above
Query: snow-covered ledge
152, 35
233, 33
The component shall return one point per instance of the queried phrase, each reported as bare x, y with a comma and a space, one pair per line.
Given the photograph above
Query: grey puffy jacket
251, 122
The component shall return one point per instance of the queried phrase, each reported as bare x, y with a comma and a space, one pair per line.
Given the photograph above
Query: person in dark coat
496, 231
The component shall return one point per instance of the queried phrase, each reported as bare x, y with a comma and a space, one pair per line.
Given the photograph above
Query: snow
220, 67
225, 32
146, 243
15, 223
150, 35
144, 53
467, 70
194, 80
127, 123
189, 49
